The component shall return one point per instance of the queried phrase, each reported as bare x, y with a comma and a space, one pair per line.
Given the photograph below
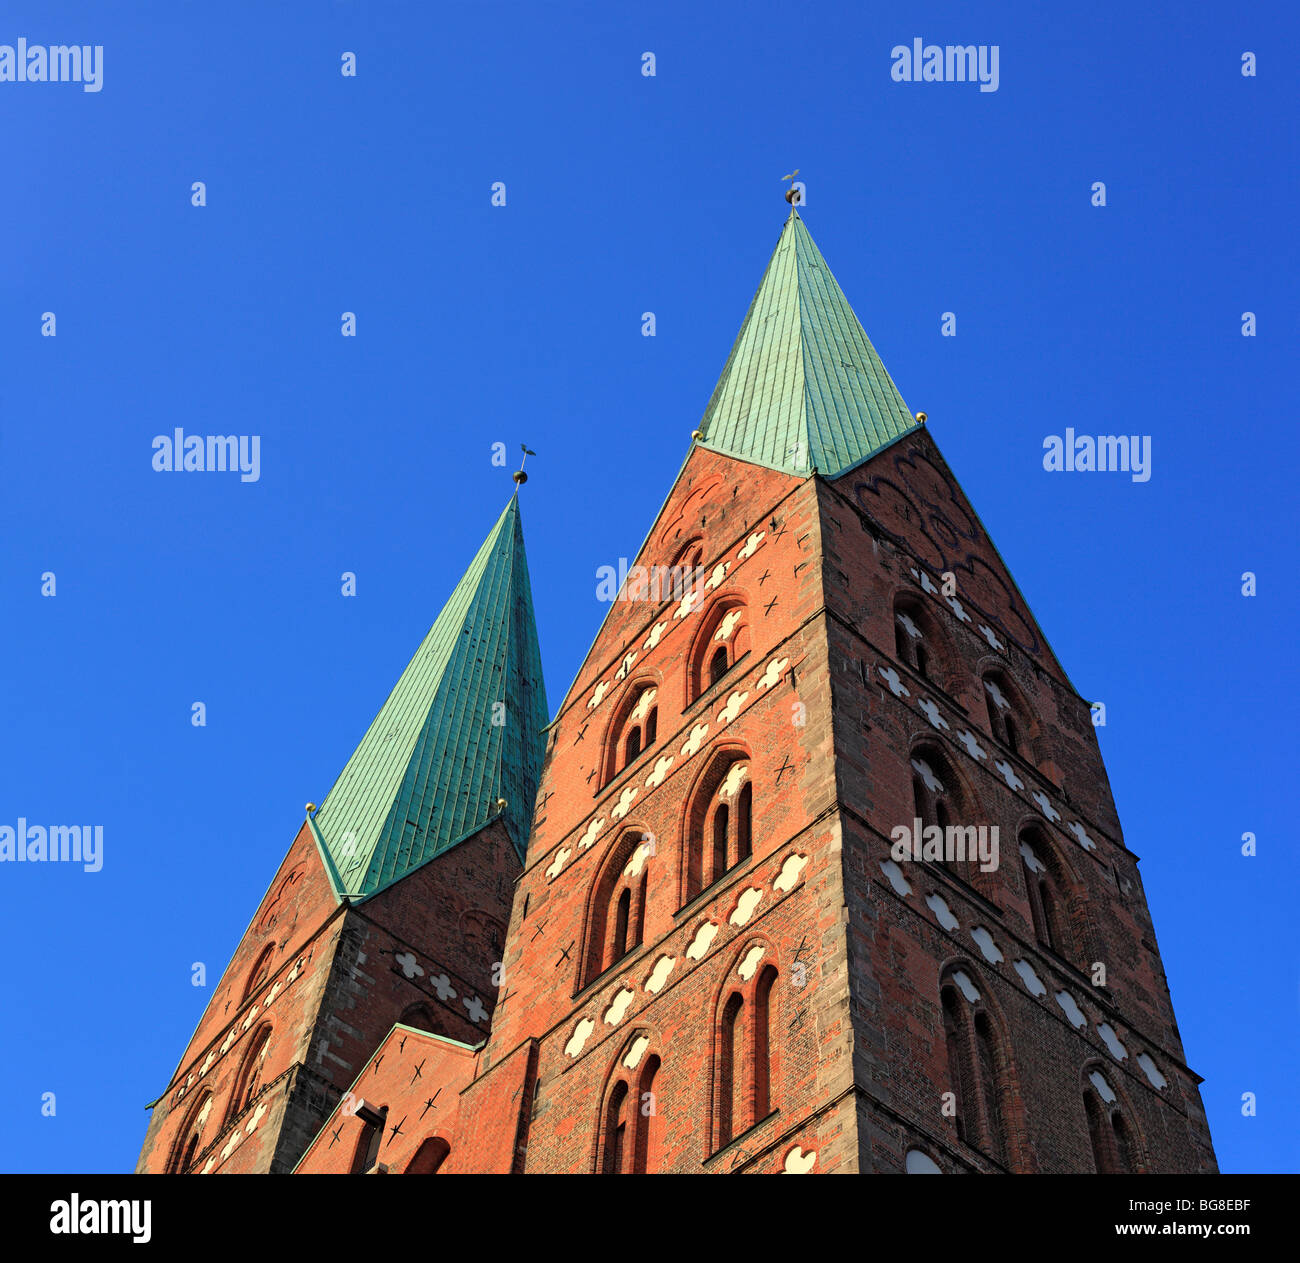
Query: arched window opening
722, 641
366, 1153
248, 1078
762, 1075
1123, 1150
915, 637
745, 822
729, 1078
260, 971
1048, 893
634, 730
429, 1157
1007, 723
975, 1071
988, 1079
616, 1120
419, 1016
187, 1142
745, 1046
617, 911
938, 801
719, 823
646, 1127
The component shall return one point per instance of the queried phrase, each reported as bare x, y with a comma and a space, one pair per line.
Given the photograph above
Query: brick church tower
724, 951
392, 903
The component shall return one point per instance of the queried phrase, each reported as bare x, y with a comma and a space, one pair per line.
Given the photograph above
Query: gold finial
310, 808
921, 418
519, 476
793, 195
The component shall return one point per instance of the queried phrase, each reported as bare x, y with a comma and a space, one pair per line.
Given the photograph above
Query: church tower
392, 903
825, 874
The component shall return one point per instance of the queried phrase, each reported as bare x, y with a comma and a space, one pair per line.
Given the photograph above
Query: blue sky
477, 324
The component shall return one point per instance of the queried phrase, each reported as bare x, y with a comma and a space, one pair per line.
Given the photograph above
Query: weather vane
793, 194
519, 476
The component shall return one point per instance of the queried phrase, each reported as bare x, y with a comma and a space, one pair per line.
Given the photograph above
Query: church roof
462, 728
803, 388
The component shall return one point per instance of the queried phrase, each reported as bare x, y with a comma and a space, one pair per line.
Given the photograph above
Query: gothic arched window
616, 920
976, 1066
366, 1153
1007, 722
249, 1076
723, 639
1113, 1150
917, 639
260, 971
628, 1139
719, 822
744, 1048
429, 1157
635, 729
186, 1147
1049, 892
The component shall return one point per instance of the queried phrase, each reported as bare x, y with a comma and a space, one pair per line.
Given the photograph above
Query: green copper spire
803, 388
462, 728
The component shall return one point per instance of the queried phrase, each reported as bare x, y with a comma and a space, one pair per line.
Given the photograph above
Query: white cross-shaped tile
1032, 862
732, 708
624, 804
751, 545
896, 686
617, 1010
728, 625
695, 740
908, 626
656, 635
996, 694
553, 871
718, 575
942, 912
745, 906
926, 773
931, 712
644, 702
476, 1010
773, 673
789, 874
987, 632
1009, 774
205, 1111
659, 974
1084, 840
1045, 806
598, 696
589, 834
956, 606
700, 943
927, 584
736, 776
688, 603
656, 778
973, 747
442, 985
628, 660
408, 964
579, 1037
